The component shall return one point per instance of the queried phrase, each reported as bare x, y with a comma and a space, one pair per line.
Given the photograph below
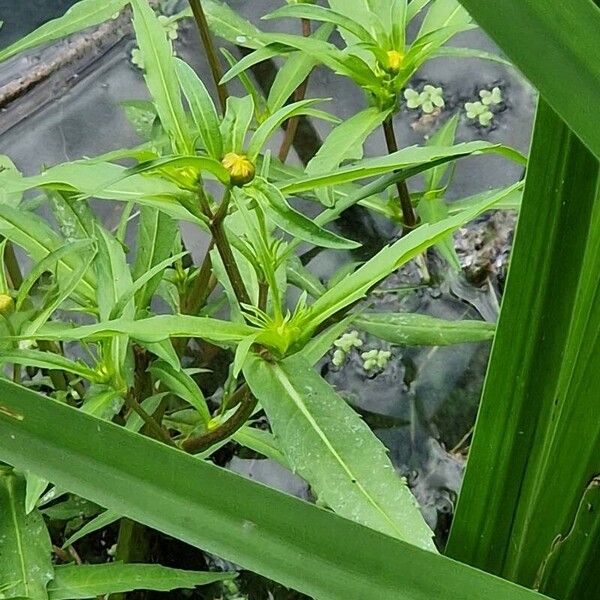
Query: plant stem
157, 431
225, 251
292, 124
12, 266
408, 213
211, 53
243, 398
200, 290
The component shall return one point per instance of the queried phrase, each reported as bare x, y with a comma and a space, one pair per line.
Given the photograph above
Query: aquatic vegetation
128, 368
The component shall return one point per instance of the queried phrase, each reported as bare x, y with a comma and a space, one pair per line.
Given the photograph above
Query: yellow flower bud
6, 304
240, 168
395, 60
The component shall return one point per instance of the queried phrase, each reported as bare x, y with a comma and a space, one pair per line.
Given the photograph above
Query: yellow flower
240, 168
395, 60
6, 304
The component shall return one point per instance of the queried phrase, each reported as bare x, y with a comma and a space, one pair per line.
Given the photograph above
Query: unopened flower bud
240, 168
6, 304
394, 61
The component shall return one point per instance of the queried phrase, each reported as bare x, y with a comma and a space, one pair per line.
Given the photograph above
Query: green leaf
101, 521
182, 384
537, 437
442, 14
355, 286
345, 142
155, 238
258, 56
285, 539
272, 123
432, 206
47, 360
48, 263
82, 15
30, 232
152, 329
8, 173
182, 169
414, 8
161, 75
35, 487
328, 444
294, 222
302, 278
89, 581
408, 157
236, 122
227, 24
74, 216
260, 441
323, 14
65, 289
25, 568
296, 69
562, 35
112, 273
411, 329
453, 52
507, 199
575, 552
140, 284
107, 181
398, 17
371, 13
202, 109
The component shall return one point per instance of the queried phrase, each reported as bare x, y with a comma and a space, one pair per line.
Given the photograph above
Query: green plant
269, 320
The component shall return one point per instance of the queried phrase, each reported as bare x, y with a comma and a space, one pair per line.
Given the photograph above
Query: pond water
424, 403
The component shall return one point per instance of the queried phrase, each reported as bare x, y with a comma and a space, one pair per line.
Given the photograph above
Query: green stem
211, 53
409, 217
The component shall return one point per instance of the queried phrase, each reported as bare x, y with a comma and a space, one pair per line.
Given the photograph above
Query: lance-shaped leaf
227, 24
152, 329
329, 445
30, 232
48, 360
285, 539
432, 206
72, 582
411, 329
202, 109
108, 181
268, 126
25, 568
161, 75
182, 384
86, 13
295, 70
239, 113
355, 286
408, 157
292, 221
326, 15
155, 239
